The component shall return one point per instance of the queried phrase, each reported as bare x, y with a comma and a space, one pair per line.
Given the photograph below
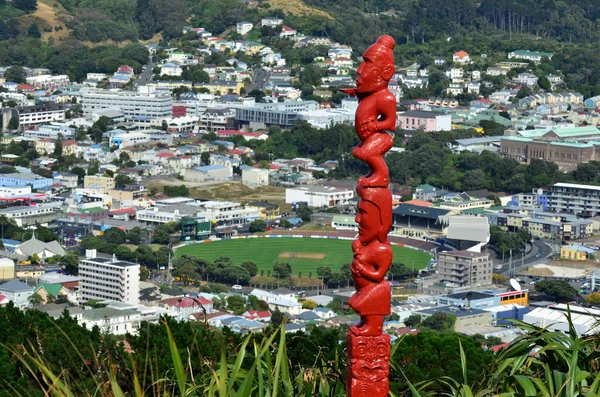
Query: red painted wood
368, 347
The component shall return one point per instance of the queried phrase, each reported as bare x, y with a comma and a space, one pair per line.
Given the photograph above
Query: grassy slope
46, 15
266, 251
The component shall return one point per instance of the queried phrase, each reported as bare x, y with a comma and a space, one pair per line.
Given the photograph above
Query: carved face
370, 359
374, 72
369, 221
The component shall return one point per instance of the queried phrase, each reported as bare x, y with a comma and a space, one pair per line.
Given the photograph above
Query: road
146, 75
532, 258
259, 80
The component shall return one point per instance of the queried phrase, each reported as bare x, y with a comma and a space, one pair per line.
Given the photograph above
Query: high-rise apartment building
131, 103
108, 279
574, 199
465, 268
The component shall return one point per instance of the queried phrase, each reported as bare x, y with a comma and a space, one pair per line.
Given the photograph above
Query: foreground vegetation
59, 358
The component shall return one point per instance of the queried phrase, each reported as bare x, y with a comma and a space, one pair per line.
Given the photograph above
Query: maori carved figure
368, 347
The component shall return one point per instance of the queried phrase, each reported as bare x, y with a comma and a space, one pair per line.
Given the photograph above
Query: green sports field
306, 254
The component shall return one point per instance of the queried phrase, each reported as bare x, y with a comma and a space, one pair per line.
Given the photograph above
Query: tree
25, 5
205, 157
34, 31
15, 74
114, 235
258, 225
284, 223
544, 83
324, 272
121, 180
559, 289
80, 172
164, 126
7, 169
13, 124
499, 279
70, 264
282, 270
413, 320
304, 213
593, 298
251, 267
186, 273
309, 304
35, 300
277, 317
523, 92
440, 321
236, 304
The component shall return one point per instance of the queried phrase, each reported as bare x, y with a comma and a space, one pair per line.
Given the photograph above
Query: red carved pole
368, 346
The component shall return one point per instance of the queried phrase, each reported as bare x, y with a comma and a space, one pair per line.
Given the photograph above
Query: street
259, 80
146, 75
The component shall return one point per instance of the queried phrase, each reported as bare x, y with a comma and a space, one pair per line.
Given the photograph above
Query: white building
45, 82
318, 196
461, 57
271, 22
108, 279
131, 103
7, 269
160, 215
42, 113
171, 69
244, 27
227, 212
454, 89
254, 177
17, 292
528, 79
11, 191
112, 321
555, 317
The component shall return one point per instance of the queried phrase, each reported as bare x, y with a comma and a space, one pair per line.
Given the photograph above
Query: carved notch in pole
368, 346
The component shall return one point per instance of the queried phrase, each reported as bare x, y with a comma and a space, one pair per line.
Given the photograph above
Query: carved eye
382, 350
361, 350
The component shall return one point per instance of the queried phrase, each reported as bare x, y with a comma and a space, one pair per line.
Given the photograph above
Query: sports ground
304, 254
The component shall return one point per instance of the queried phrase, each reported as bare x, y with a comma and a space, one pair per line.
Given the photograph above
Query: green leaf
526, 384
177, 364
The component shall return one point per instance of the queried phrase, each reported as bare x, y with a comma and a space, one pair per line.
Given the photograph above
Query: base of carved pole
368, 366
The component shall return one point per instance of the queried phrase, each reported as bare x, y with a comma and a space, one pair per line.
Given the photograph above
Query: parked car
236, 287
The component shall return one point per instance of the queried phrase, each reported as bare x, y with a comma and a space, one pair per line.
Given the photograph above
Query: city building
583, 319
17, 292
529, 55
112, 321
208, 173
466, 318
7, 269
318, 196
426, 121
195, 229
344, 222
227, 212
131, 103
570, 198
465, 269
168, 214
99, 181
576, 252
244, 27
41, 249
42, 113
472, 299
281, 114
271, 22
25, 179
255, 177
108, 279
30, 215
266, 210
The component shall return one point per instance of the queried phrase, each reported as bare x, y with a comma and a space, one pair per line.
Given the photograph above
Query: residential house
461, 57
244, 27
287, 32
17, 292
49, 292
